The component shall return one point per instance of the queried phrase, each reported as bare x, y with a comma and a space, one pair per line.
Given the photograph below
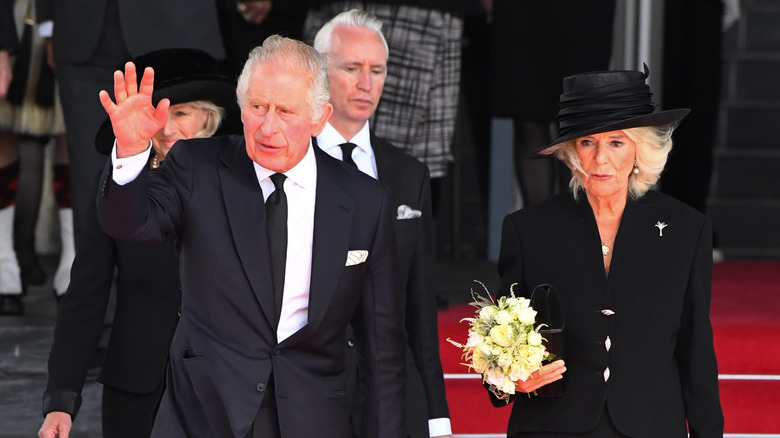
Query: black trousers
83, 112
128, 415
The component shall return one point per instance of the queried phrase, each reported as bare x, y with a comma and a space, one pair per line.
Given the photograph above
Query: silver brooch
660, 225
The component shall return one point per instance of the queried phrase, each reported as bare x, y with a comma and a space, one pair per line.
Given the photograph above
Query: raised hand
134, 118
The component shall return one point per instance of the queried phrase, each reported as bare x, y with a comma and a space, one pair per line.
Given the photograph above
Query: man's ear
318, 126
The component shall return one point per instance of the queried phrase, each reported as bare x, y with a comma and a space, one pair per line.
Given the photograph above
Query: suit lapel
333, 214
246, 216
385, 167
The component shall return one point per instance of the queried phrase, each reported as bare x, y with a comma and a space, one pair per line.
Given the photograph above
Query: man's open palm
134, 118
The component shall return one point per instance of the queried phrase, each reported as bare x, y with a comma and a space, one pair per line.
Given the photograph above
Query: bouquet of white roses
504, 345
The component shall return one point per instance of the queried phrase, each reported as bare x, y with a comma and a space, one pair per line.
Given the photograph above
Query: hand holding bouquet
504, 344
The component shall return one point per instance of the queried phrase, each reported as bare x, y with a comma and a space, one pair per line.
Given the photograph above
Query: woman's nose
601, 153
170, 127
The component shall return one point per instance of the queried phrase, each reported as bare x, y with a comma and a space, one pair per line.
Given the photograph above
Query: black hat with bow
605, 101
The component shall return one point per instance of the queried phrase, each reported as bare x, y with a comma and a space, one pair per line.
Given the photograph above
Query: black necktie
276, 224
346, 150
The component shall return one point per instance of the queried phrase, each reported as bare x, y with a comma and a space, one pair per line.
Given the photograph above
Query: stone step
753, 76
745, 195
746, 229
761, 31
747, 174
751, 125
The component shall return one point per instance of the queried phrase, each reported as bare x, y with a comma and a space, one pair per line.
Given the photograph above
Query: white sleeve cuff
127, 169
46, 29
439, 427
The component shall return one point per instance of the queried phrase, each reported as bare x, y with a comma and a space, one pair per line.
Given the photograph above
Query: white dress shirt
300, 188
363, 156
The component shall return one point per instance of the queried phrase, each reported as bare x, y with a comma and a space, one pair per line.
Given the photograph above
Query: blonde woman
633, 269
148, 294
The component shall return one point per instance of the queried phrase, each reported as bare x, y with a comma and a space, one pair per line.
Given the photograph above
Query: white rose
526, 315
504, 317
518, 303
534, 338
474, 339
508, 387
534, 355
519, 372
505, 360
502, 335
500, 381
484, 350
487, 313
513, 302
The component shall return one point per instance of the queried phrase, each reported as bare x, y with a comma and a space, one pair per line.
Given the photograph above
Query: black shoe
11, 305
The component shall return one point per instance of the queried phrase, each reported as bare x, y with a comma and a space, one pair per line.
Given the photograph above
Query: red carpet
746, 324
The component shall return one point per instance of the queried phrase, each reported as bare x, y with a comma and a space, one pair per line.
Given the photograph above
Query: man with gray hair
419, 109
268, 288
357, 55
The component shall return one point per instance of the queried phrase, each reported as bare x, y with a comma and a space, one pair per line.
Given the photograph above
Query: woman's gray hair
352, 18
289, 53
653, 144
214, 116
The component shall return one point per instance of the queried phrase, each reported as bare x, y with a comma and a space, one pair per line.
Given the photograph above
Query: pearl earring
636, 169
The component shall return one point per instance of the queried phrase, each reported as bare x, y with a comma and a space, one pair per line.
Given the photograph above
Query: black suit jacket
224, 351
146, 25
148, 297
661, 360
410, 185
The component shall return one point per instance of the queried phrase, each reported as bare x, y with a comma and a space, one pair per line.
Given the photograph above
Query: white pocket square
406, 212
356, 257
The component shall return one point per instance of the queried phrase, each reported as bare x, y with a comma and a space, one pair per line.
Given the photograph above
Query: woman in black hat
633, 270
147, 274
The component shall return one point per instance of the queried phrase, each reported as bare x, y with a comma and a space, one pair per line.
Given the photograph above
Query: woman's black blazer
148, 297
660, 368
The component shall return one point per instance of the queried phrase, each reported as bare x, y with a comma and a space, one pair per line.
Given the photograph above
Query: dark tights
535, 176
28, 200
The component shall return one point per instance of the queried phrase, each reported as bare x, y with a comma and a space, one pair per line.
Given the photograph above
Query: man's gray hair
352, 18
289, 53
